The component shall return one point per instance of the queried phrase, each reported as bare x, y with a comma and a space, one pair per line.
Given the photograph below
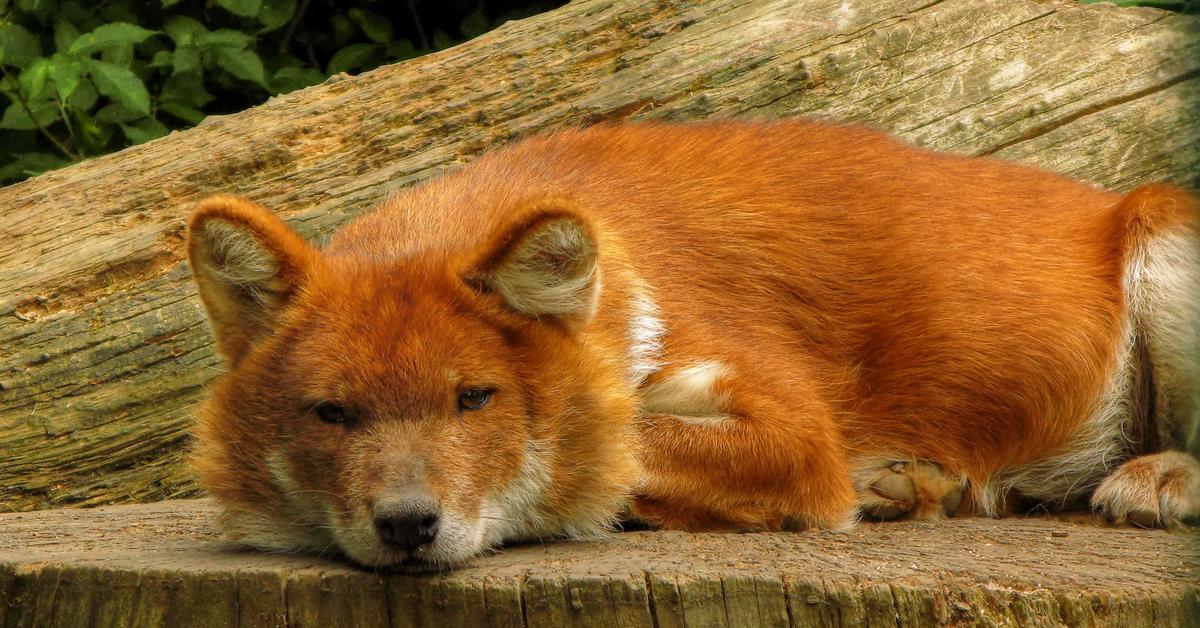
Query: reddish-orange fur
863, 298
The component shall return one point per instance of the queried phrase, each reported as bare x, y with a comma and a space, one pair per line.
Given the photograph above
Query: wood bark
103, 346
163, 565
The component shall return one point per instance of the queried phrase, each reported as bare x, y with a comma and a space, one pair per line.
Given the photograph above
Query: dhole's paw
912, 489
1152, 491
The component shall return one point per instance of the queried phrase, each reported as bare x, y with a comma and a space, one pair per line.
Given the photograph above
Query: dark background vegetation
82, 78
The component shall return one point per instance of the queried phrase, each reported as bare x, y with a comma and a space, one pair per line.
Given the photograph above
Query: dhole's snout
406, 522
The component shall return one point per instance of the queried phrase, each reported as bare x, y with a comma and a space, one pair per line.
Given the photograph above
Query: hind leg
728, 447
906, 489
1152, 491
1164, 299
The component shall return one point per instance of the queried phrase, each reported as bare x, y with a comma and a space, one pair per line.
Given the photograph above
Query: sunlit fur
703, 326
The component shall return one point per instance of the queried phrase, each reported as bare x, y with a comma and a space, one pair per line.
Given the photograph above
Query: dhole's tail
1162, 286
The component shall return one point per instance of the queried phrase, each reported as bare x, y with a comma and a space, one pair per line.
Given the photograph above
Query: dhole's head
407, 411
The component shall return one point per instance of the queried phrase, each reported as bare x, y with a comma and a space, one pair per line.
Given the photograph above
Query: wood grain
164, 564
103, 347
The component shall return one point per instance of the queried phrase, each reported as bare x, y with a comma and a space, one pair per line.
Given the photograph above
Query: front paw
909, 489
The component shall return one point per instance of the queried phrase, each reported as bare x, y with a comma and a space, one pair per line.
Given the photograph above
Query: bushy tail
1162, 284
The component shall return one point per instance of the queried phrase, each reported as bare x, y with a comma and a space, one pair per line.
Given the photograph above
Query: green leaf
65, 73
376, 27
38, 8
23, 165
342, 28
186, 59
442, 41
91, 137
166, 4
16, 118
244, 8
115, 34
120, 54
228, 38
84, 97
475, 24
402, 49
121, 85
114, 113
185, 88
351, 57
185, 31
65, 34
144, 130
243, 64
33, 79
18, 47
276, 13
79, 12
183, 112
162, 59
292, 78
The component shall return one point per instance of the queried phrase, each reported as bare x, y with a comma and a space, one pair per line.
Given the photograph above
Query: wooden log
163, 564
103, 348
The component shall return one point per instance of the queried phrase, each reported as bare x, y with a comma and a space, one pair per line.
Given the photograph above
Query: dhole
702, 327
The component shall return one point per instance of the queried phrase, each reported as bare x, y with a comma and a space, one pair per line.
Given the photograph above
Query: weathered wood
163, 564
103, 349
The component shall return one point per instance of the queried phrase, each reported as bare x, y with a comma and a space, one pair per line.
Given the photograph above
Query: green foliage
1182, 6
80, 78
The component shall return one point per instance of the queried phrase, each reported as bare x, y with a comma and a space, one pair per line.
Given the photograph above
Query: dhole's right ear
247, 264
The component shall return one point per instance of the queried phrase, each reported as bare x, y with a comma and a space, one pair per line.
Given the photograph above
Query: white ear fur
247, 264
551, 270
235, 258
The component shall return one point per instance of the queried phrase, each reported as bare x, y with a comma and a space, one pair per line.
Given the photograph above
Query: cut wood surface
103, 346
164, 565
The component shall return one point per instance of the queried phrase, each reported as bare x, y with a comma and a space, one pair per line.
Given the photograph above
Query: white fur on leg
689, 395
1163, 282
1150, 491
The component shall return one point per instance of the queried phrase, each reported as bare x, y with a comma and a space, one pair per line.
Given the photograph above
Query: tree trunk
103, 348
163, 565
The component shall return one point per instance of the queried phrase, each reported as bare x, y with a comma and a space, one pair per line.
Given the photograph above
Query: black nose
407, 531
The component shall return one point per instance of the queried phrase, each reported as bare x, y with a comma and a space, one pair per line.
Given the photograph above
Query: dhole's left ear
544, 265
247, 264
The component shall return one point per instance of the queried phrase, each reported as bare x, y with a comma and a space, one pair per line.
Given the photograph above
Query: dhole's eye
474, 398
333, 413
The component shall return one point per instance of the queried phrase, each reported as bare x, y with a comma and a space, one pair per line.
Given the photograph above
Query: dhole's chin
458, 541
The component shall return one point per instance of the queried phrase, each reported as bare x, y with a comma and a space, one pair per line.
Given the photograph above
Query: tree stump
164, 565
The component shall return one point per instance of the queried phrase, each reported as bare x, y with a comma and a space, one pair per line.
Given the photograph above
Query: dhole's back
928, 293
